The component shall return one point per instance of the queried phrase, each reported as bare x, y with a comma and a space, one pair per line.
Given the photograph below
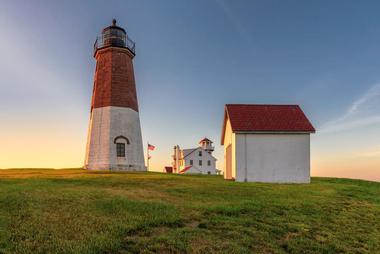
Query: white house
195, 160
266, 143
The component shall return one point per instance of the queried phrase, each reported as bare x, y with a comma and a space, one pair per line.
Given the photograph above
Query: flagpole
147, 156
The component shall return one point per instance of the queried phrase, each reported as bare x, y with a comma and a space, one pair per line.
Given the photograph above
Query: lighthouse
114, 139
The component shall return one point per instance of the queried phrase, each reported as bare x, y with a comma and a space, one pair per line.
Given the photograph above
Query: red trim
184, 170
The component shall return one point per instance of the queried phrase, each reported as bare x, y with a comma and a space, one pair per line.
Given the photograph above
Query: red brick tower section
114, 81
114, 139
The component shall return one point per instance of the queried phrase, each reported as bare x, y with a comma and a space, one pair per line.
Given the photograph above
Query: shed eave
273, 132
224, 125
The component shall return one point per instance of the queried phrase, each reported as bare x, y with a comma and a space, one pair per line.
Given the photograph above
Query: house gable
194, 154
227, 130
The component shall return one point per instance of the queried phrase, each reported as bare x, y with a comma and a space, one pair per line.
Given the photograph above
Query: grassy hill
74, 211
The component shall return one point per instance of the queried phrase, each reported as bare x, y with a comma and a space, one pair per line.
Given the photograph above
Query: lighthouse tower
114, 139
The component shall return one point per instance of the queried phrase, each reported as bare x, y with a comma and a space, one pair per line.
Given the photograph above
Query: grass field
74, 211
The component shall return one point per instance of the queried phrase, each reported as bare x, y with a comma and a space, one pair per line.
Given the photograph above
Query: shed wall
280, 158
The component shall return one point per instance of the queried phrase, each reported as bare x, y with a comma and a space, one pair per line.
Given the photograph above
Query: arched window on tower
120, 142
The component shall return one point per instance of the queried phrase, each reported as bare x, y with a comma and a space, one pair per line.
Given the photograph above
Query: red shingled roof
266, 118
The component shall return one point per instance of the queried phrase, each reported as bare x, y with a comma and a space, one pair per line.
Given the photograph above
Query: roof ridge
244, 104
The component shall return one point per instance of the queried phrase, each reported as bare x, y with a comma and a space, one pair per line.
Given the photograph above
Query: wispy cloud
370, 153
234, 19
362, 112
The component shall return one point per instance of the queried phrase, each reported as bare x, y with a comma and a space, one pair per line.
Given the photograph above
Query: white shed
266, 143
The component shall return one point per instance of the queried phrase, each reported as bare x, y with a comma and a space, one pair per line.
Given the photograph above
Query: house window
120, 149
208, 163
200, 162
200, 153
191, 162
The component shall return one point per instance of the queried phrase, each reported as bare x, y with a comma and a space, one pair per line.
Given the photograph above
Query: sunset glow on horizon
311, 54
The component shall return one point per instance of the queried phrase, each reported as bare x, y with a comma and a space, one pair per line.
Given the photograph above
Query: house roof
266, 118
205, 139
187, 152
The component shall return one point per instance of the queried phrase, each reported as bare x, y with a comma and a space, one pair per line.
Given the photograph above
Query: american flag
151, 147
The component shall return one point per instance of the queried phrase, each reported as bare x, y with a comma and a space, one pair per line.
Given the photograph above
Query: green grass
74, 211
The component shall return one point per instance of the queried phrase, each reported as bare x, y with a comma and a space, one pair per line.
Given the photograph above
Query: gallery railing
114, 40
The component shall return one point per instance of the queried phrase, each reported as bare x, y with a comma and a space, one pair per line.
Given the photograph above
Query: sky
192, 58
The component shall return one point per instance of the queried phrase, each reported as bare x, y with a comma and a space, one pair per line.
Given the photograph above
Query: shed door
228, 162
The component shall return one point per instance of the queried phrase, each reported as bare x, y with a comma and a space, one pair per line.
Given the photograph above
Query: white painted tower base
106, 125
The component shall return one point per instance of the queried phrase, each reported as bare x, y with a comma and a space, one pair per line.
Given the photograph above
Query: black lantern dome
114, 36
